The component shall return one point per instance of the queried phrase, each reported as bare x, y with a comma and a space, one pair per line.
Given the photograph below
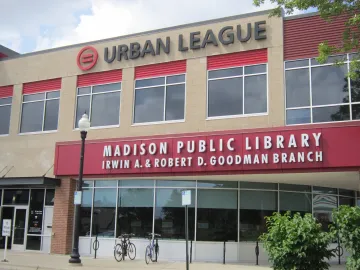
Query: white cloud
70, 22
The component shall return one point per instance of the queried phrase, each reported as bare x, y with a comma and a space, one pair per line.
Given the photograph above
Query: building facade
237, 110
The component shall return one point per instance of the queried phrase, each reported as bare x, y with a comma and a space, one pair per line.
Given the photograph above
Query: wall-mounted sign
236, 152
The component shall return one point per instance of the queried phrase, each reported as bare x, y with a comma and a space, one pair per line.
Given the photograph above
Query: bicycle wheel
118, 252
147, 254
153, 254
131, 251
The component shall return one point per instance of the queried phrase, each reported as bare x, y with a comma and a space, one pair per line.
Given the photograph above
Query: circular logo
87, 58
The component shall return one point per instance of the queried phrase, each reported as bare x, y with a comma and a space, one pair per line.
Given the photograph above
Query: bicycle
124, 248
152, 250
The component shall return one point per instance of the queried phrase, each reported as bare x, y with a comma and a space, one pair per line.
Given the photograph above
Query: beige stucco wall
33, 154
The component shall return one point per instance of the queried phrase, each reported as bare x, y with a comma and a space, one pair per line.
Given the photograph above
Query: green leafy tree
347, 227
328, 10
296, 242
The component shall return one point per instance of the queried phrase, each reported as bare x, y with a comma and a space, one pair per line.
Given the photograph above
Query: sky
28, 26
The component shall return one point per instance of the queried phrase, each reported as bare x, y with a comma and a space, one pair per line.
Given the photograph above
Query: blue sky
27, 26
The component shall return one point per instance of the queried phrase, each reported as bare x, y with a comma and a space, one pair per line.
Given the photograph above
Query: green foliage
347, 227
294, 242
328, 10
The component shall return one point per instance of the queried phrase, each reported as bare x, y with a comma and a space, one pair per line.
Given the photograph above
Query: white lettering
135, 149
221, 160
284, 158
267, 142
103, 165
180, 145
156, 162
126, 150
191, 146
163, 162
212, 148
229, 160
264, 158
276, 158
107, 151
221, 146
152, 149
108, 164
171, 162
304, 140
137, 164
177, 162
127, 164
257, 143
213, 160
163, 148
229, 146
309, 156
142, 149
292, 158
202, 146
256, 159
200, 161
247, 144
301, 157
183, 162
115, 164
237, 159
319, 156
117, 151
189, 161
280, 141
292, 141
247, 159
317, 139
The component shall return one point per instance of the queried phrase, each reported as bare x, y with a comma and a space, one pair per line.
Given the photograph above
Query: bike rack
96, 245
257, 252
156, 250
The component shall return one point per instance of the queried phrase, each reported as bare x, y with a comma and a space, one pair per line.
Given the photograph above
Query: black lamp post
84, 125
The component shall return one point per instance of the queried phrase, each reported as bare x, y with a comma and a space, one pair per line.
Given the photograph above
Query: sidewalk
40, 261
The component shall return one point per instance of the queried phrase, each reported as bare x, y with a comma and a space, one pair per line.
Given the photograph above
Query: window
237, 91
101, 103
320, 93
40, 112
18, 197
5, 112
160, 99
104, 209
86, 209
295, 202
323, 206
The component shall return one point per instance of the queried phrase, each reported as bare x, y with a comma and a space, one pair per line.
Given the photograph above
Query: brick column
61, 242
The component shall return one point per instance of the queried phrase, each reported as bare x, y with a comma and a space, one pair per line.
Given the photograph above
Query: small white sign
77, 197
186, 197
6, 228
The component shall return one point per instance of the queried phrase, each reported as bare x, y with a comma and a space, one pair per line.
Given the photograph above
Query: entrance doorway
19, 228
7, 213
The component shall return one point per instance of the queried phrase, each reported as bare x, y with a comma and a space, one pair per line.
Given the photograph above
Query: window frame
164, 121
44, 111
4, 105
90, 105
311, 107
243, 76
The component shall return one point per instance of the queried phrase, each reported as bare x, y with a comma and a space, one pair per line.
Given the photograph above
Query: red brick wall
63, 218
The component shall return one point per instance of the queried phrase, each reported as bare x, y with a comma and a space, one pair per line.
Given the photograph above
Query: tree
328, 10
294, 242
347, 227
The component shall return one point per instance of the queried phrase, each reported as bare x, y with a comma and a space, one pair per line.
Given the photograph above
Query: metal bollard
190, 251
257, 252
96, 245
156, 250
224, 252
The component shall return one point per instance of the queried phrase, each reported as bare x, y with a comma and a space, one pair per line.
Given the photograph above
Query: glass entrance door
19, 228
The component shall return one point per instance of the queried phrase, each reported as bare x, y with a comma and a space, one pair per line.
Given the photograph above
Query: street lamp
84, 125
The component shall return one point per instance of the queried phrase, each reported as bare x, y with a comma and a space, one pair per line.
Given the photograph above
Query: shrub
347, 227
294, 242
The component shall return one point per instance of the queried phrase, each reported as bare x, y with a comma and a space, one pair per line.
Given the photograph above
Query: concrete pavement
40, 261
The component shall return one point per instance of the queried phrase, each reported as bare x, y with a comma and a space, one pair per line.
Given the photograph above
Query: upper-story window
40, 106
320, 93
98, 95
6, 93
237, 84
160, 98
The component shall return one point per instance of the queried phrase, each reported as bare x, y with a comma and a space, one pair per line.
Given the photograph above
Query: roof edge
229, 18
304, 15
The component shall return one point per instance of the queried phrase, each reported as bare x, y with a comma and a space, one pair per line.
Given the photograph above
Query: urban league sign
194, 41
